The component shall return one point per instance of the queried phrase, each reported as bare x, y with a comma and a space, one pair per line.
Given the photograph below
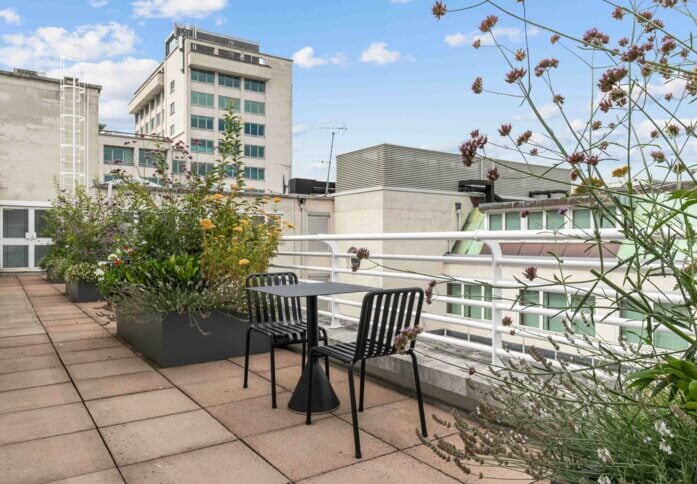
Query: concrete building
201, 75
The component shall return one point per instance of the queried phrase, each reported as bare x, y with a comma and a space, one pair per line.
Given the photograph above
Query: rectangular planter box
81, 292
175, 339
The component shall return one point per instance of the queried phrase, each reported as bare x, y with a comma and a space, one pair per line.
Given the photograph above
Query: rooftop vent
484, 187
549, 194
26, 72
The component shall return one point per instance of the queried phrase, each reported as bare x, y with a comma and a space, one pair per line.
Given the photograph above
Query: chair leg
354, 414
308, 415
246, 357
273, 373
362, 392
325, 340
419, 397
304, 348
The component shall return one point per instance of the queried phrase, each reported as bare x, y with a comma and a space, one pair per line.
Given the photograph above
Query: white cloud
42, 48
300, 128
219, 20
175, 9
338, 59
10, 16
513, 34
119, 79
378, 53
306, 58
676, 87
99, 3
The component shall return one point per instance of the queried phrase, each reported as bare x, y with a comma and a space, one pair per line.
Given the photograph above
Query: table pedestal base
323, 397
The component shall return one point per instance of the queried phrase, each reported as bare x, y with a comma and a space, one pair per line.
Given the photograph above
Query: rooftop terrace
76, 404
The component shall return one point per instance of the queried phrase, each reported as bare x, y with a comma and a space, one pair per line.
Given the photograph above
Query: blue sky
385, 68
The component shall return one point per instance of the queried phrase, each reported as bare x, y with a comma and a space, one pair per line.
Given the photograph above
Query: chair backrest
384, 314
267, 308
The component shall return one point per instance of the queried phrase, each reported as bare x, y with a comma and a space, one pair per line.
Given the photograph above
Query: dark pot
81, 292
180, 339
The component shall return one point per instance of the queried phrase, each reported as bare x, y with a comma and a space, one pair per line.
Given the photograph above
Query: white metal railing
496, 262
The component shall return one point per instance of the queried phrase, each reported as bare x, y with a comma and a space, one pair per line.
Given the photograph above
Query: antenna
334, 130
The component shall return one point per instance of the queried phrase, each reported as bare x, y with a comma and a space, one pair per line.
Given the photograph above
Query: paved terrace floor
77, 405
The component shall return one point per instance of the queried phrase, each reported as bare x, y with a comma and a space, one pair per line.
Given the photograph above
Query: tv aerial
334, 130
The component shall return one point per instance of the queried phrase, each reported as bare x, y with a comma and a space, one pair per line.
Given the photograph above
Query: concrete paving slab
9, 342
43, 422
110, 386
37, 397
200, 372
77, 335
220, 464
139, 406
261, 362
98, 369
288, 377
102, 354
374, 395
27, 363
87, 344
110, 476
52, 458
158, 437
216, 392
28, 350
307, 450
33, 378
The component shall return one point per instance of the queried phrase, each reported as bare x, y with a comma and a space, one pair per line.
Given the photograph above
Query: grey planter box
81, 292
175, 339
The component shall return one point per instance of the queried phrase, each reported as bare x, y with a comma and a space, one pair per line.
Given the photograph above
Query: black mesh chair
277, 318
384, 314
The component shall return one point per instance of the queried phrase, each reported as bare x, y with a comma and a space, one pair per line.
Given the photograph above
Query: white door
23, 238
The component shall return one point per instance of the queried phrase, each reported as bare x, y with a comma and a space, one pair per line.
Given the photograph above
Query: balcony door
23, 238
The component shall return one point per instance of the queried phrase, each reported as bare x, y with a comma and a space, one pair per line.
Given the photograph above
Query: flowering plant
199, 237
405, 338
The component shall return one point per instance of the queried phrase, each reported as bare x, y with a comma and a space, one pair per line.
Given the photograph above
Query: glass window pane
15, 223
475, 293
582, 218
587, 306
15, 256
495, 221
535, 221
40, 252
454, 290
487, 297
531, 299
40, 226
554, 301
512, 221
555, 220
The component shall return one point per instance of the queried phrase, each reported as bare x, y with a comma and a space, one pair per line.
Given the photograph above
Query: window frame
122, 160
206, 95
205, 73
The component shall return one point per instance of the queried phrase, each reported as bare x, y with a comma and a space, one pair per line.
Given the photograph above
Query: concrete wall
30, 136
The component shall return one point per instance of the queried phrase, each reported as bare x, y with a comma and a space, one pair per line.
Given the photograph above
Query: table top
311, 289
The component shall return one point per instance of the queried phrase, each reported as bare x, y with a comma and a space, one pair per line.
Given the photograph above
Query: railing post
332, 276
496, 295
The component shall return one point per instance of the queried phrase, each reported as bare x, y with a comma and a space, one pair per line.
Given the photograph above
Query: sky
386, 69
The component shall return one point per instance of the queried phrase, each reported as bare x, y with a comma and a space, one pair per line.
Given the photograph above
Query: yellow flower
277, 199
238, 228
243, 262
206, 224
217, 196
620, 172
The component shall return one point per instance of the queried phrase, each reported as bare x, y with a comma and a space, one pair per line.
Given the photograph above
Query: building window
666, 341
555, 220
495, 221
529, 299
118, 155
171, 130
254, 107
202, 76
201, 122
171, 109
536, 221
224, 102
472, 292
171, 86
512, 221
604, 220
254, 151
253, 173
582, 218
228, 81
254, 85
560, 303
179, 166
254, 129
150, 158
201, 145
202, 99
157, 120
201, 168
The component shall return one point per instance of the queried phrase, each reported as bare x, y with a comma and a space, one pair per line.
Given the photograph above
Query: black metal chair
384, 315
277, 318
